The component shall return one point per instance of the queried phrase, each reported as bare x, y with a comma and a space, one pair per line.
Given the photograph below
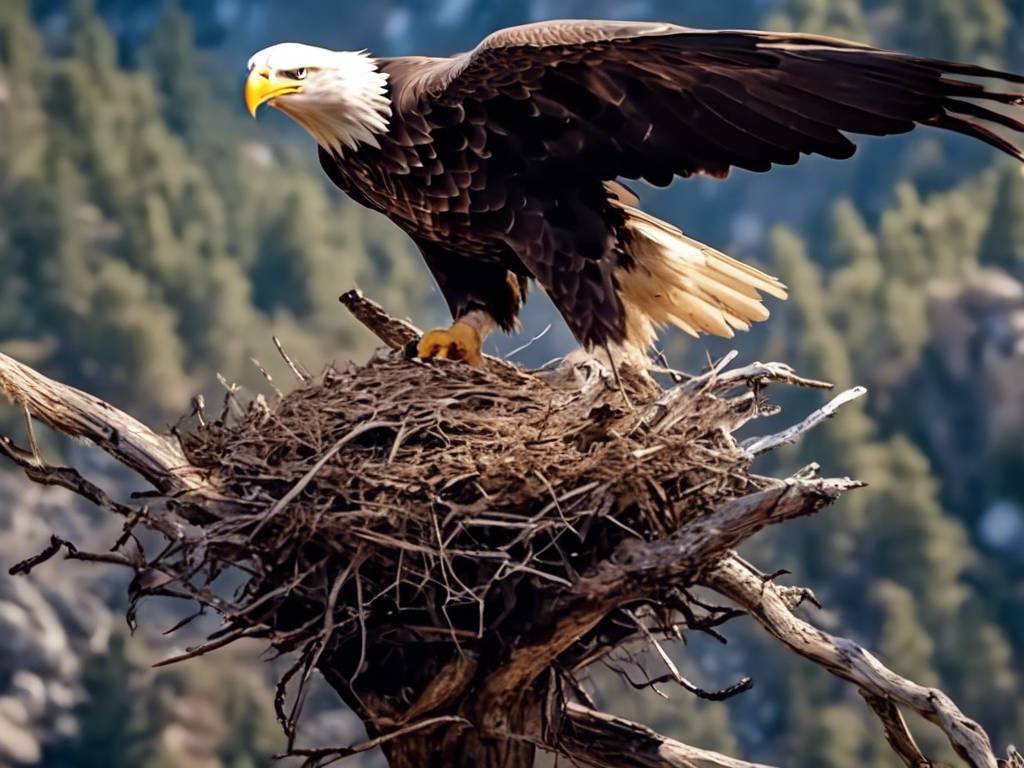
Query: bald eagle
505, 164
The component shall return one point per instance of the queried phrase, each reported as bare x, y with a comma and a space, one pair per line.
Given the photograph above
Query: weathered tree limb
766, 603
157, 458
600, 740
392, 331
896, 731
68, 478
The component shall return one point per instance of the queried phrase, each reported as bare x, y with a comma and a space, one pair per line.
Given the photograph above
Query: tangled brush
450, 504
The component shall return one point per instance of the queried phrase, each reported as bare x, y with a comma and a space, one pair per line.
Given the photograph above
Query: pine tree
1003, 244
954, 29
838, 18
835, 738
187, 105
22, 141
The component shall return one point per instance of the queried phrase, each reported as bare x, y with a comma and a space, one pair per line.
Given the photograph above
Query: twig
778, 372
285, 500
70, 479
30, 432
204, 649
896, 731
300, 373
758, 445
266, 375
527, 345
675, 676
73, 553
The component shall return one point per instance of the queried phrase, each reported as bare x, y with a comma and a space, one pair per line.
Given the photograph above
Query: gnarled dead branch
452, 547
882, 688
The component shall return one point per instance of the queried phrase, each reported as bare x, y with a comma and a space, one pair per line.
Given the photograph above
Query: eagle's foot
459, 342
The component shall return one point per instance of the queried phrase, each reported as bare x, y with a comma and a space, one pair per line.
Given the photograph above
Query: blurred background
152, 236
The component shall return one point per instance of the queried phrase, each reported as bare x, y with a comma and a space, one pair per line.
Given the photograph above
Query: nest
422, 505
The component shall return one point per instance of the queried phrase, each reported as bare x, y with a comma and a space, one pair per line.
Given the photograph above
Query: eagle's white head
340, 97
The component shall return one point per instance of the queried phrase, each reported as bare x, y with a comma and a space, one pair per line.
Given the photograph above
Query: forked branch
882, 688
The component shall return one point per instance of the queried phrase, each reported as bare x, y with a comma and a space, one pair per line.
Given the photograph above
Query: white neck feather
345, 105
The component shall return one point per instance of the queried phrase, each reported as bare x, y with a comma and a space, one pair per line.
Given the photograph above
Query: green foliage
901, 642
864, 317
952, 28
209, 713
842, 18
1003, 243
150, 247
119, 720
188, 106
834, 738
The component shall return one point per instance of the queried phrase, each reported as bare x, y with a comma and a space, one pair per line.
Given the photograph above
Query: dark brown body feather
496, 160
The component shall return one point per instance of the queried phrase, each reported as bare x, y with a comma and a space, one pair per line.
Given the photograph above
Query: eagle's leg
463, 340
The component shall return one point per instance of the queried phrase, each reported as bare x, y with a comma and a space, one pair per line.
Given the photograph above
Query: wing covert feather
647, 100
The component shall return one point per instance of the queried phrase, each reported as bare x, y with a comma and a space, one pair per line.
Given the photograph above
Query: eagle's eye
295, 74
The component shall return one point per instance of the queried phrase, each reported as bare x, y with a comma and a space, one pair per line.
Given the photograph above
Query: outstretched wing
653, 101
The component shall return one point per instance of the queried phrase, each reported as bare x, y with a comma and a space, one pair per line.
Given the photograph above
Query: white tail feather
675, 280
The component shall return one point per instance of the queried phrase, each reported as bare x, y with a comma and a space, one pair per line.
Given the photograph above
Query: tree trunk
458, 748
447, 745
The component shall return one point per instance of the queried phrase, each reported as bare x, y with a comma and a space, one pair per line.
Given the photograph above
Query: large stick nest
451, 501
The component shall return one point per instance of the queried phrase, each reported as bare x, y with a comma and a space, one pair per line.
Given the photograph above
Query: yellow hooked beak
263, 85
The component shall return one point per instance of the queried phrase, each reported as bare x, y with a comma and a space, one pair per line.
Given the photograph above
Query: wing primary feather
792, 130
984, 113
976, 130
844, 116
970, 70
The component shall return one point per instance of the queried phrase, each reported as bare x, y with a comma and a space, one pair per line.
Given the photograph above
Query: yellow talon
459, 342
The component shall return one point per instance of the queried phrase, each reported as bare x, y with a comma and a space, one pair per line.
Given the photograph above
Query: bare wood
328, 755
157, 458
61, 477
300, 373
392, 331
758, 445
600, 740
450, 684
846, 659
896, 731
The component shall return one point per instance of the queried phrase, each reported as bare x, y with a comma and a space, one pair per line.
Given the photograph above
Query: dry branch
452, 547
600, 740
158, 459
882, 687
392, 331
